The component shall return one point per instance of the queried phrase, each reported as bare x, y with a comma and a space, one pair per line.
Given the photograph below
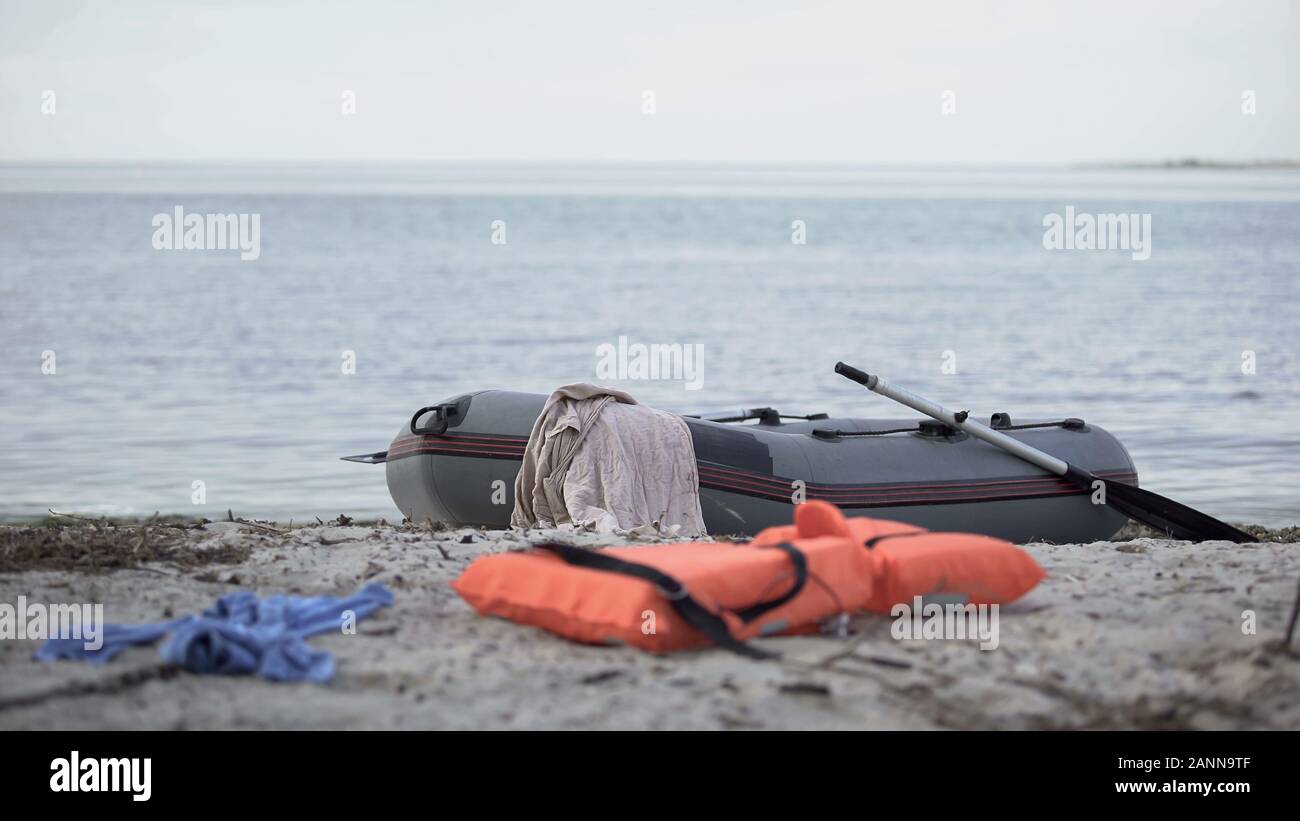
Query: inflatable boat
456, 462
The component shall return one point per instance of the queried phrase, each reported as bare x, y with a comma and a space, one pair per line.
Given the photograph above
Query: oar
1166, 515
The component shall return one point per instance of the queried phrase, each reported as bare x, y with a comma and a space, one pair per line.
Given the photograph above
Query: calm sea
175, 367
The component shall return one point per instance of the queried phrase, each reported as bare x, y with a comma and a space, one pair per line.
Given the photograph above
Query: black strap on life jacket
692, 612
871, 543
800, 563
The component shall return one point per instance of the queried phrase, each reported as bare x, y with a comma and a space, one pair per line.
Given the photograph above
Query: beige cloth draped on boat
598, 460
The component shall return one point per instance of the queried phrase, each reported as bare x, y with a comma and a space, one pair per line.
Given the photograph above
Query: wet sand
1139, 634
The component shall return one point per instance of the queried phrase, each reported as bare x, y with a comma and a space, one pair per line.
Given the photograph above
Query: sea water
136, 378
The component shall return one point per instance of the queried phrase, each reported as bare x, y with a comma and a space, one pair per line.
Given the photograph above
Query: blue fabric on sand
239, 635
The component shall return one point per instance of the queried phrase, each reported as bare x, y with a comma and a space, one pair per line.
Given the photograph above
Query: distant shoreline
557, 165
1194, 163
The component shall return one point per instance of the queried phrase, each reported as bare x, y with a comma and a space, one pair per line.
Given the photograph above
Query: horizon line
1189, 162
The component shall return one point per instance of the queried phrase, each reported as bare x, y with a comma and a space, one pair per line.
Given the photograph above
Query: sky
747, 82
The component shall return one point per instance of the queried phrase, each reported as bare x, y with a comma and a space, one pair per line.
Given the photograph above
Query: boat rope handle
441, 416
827, 433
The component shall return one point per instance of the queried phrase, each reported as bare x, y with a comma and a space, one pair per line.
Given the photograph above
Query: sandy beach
1138, 634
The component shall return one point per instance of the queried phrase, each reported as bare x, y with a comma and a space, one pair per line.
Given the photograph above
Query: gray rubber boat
456, 462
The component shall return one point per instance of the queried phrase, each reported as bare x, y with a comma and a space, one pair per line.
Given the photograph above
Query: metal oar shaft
874, 383
1174, 519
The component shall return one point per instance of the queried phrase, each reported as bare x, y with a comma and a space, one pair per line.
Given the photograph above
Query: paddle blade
368, 458
1177, 520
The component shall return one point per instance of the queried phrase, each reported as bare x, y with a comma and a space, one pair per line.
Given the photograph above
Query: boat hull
751, 475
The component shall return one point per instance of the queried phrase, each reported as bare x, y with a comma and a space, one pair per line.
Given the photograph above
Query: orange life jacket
679, 596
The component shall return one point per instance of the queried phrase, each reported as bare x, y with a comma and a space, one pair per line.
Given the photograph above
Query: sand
1141, 634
